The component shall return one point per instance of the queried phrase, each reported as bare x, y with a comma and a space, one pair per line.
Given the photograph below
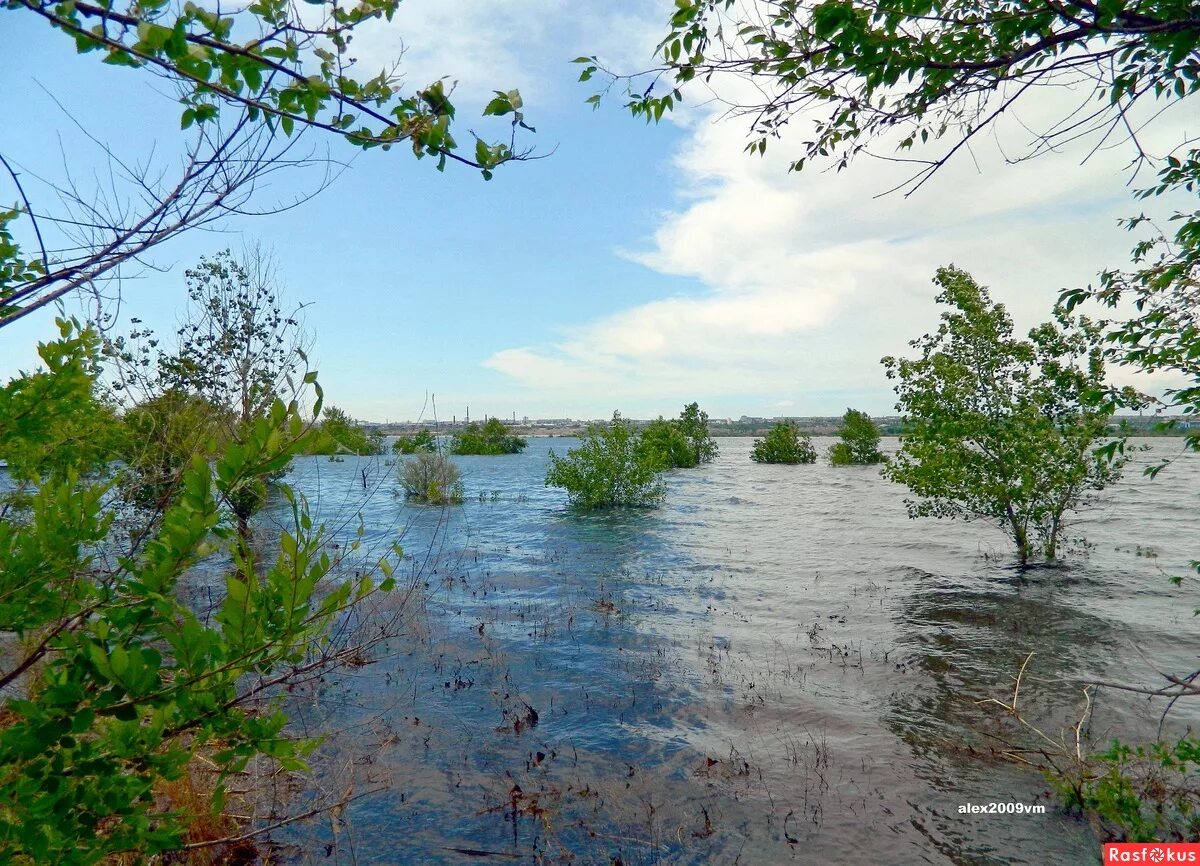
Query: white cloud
526, 44
800, 283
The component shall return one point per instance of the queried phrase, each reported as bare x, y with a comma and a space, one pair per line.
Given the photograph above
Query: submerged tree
680, 443
422, 440
784, 443
608, 469
493, 437
860, 441
694, 425
1000, 428
666, 445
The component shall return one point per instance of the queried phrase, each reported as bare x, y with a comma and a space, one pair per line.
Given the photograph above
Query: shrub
694, 425
680, 443
338, 433
491, 438
666, 446
432, 478
609, 469
422, 440
784, 444
860, 441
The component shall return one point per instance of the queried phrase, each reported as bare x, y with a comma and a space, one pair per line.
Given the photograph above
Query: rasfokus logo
1152, 852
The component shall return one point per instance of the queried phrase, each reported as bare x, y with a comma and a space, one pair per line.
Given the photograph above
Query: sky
634, 267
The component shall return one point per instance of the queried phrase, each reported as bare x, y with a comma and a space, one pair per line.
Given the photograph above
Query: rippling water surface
777, 666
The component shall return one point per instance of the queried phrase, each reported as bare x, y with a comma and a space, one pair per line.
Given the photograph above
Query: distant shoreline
812, 426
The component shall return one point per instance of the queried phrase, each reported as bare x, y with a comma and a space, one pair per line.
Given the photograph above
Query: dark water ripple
775, 667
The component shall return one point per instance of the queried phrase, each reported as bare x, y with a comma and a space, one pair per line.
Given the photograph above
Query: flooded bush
860, 441
422, 440
609, 469
432, 478
1141, 793
784, 444
492, 438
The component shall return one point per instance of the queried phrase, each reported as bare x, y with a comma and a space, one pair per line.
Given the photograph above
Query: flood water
776, 666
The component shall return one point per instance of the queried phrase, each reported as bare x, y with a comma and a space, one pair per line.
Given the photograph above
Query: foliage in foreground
432, 479
608, 469
860, 441
1138, 793
422, 440
999, 428
784, 443
112, 684
681, 443
493, 437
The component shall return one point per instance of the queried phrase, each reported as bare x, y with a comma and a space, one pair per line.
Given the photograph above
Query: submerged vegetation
608, 469
113, 684
860, 441
337, 433
1000, 428
431, 478
422, 440
784, 444
681, 443
493, 437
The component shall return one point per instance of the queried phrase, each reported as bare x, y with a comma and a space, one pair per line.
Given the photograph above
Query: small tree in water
1000, 428
609, 469
860, 441
784, 444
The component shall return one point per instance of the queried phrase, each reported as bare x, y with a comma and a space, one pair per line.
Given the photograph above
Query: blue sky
635, 267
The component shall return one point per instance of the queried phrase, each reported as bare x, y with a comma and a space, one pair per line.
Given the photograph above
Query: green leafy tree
422, 440
493, 437
694, 425
338, 433
784, 443
1000, 428
250, 78
111, 685
666, 445
236, 352
608, 469
681, 443
860, 441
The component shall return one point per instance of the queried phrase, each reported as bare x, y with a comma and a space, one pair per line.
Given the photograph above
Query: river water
776, 666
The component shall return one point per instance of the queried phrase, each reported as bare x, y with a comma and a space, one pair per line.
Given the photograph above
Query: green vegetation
694, 425
784, 444
999, 428
432, 479
113, 686
666, 446
338, 433
608, 469
1140, 794
422, 440
860, 441
493, 438
235, 353
681, 443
